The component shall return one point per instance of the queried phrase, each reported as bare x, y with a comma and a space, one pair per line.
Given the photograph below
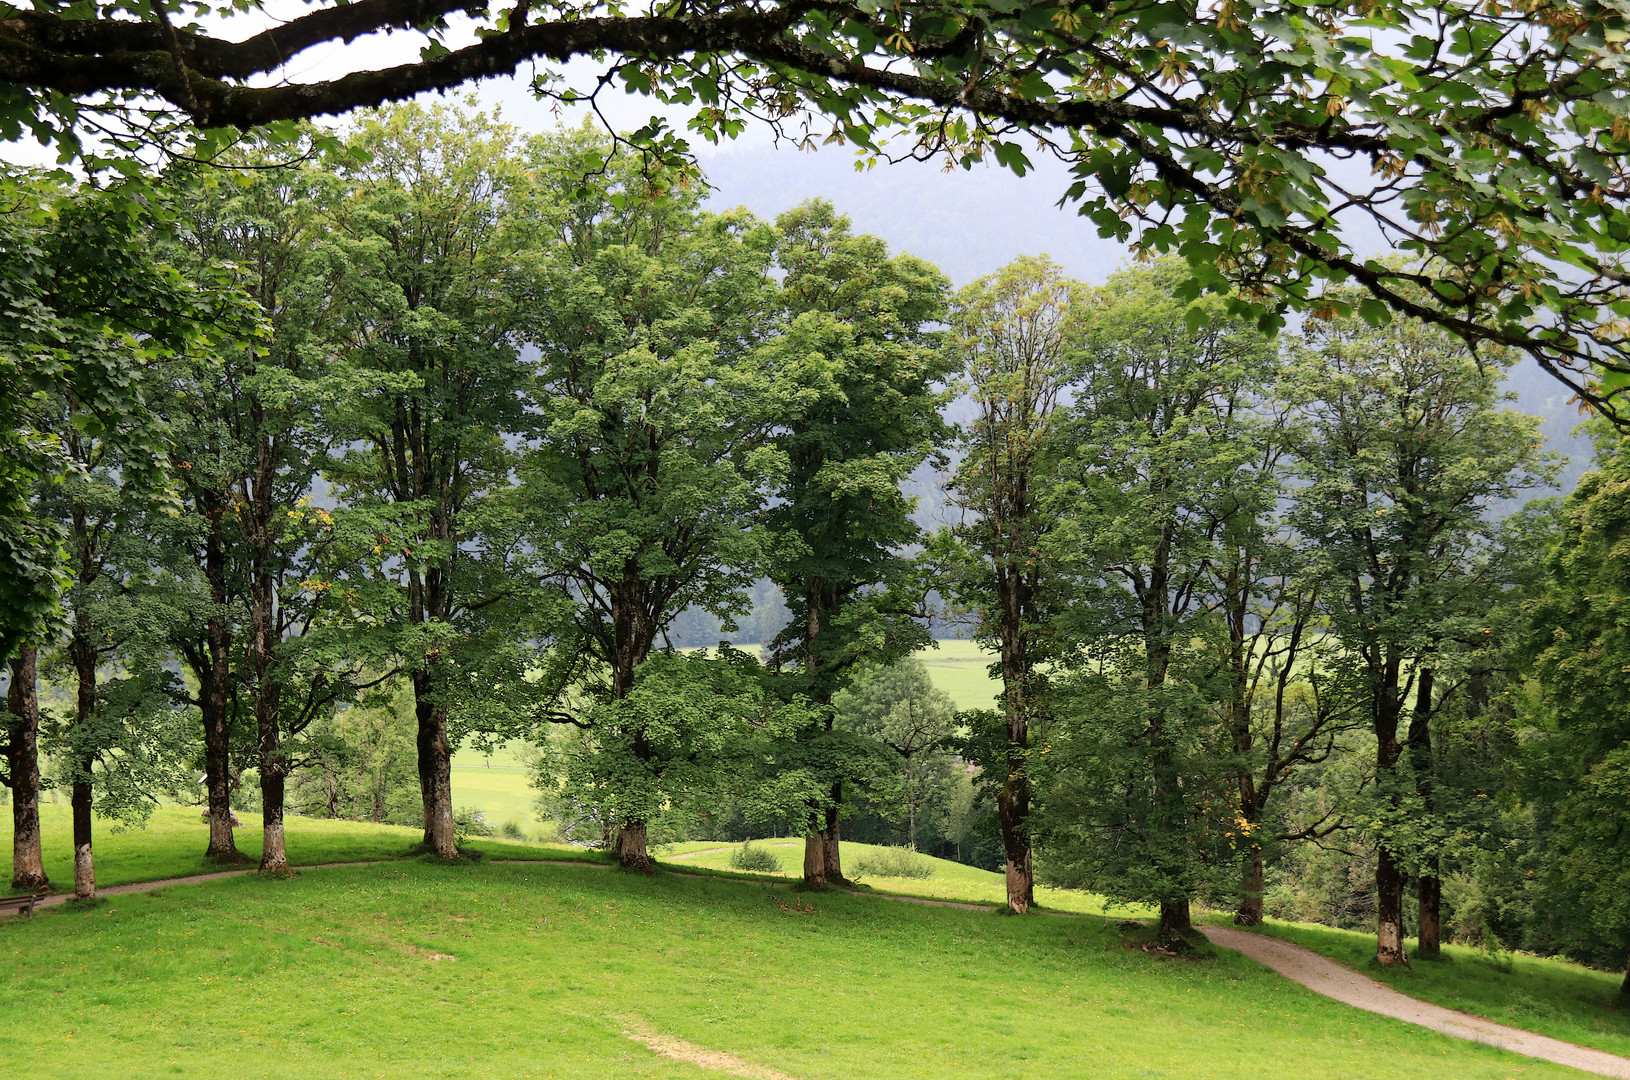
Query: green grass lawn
417, 969
1553, 997
501, 793
951, 880
961, 669
172, 844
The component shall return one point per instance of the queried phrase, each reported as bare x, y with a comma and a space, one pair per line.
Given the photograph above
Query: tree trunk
1021, 879
1389, 880
815, 860
1624, 987
84, 866
1430, 889
215, 698
1389, 911
631, 850
1012, 811
274, 858
265, 638
436, 768
1174, 918
83, 656
23, 767
1250, 893
831, 838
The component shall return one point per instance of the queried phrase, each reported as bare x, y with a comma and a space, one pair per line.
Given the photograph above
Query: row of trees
494, 412
1211, 564
472, 419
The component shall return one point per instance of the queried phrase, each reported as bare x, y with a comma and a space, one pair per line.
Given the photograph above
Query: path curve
1324, 976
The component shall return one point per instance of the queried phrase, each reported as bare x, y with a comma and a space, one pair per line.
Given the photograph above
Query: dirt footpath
1325, 976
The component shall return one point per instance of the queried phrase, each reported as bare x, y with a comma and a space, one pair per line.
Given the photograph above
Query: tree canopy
1265, 142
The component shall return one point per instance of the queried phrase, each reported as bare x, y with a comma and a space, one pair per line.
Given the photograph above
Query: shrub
760, 860
468, 822
892, 862
511, 830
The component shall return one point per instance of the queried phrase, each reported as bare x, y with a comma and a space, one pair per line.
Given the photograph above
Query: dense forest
447, 435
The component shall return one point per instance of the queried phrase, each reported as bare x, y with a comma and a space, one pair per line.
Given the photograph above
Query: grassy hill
414, 968
417, 969
949, 880
172, 844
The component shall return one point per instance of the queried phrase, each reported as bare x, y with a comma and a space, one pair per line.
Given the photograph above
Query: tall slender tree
1169, 468
655, 404
857, 321
267, 400
426, 319
1012, 334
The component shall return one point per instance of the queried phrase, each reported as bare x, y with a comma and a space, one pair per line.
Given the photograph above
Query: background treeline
444, 435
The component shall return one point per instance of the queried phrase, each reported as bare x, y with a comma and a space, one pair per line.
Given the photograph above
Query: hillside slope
431, 970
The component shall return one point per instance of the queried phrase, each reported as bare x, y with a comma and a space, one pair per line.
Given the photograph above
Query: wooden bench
23, 904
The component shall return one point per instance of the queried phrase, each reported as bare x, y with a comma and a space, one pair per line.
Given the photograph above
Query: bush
511, 830
760, 860
892, 862
468, 822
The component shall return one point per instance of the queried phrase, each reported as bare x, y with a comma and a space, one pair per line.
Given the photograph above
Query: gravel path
1324, 976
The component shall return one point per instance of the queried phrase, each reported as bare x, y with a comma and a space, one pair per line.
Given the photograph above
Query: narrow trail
1318, 973
1324, 976
58, 899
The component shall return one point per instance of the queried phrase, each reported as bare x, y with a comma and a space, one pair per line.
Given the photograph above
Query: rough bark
1012, 809
1175, 920
84, 865
814, 860
274, 857
1389, 879
631, 850
1249, 912
23, 771
1013, 799
83, 655
215, 695
435, 768
1429, 888
832, 838
222, 846
1389, 911
265, 526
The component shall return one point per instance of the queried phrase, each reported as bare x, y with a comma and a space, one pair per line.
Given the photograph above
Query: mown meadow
489, 969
